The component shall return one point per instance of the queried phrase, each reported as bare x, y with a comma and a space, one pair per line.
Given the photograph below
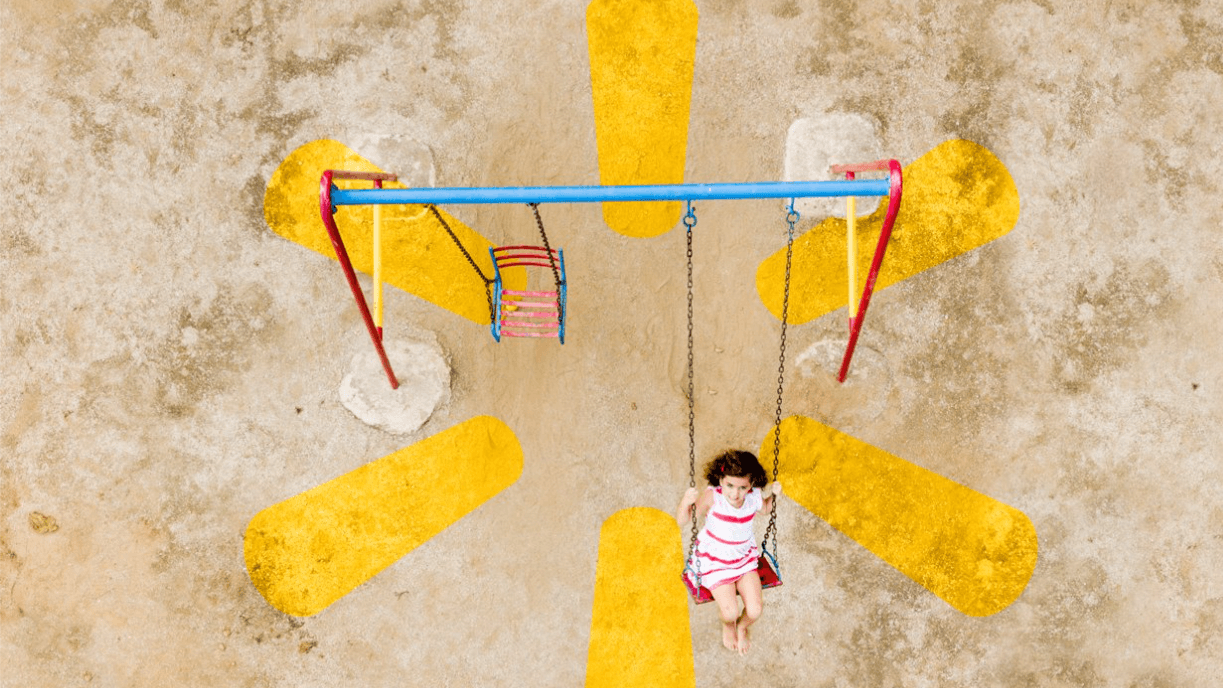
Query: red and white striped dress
726, 546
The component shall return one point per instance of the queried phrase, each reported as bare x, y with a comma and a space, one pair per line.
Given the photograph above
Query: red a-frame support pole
328, 210
894, 191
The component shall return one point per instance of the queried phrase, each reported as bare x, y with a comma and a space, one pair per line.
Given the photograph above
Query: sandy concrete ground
171, 366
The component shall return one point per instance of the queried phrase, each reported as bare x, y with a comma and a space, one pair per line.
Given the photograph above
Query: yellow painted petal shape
312, 549
957, 197
639, 631
642, 56
974, 552
420, 258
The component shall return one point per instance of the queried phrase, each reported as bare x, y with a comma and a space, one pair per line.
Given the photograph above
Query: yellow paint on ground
312, 549
957, 197
639, 631
642, 55
419, 257
974, 552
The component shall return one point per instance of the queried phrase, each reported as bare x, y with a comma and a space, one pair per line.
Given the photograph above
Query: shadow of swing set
541, 313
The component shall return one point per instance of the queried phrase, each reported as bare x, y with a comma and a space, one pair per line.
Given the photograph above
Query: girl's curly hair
737, 464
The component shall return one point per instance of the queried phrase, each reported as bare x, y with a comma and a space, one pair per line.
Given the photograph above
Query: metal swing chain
689, 223
492, 310
792, 218
556, 275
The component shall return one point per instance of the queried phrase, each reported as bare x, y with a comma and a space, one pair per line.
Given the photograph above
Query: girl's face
735, 489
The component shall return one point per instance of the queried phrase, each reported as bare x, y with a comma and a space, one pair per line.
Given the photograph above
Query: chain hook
690, 216
792, 216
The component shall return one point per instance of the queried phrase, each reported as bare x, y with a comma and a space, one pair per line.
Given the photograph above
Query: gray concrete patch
814, 144
424, 384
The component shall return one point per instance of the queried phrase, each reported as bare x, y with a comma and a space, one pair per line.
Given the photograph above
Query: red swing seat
766, 568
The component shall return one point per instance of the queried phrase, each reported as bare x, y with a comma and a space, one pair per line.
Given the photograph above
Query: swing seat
766, 567
522, 313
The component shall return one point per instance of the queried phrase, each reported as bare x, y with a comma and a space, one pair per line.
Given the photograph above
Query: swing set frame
331, 197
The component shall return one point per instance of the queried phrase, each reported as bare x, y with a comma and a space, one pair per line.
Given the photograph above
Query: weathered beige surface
171, 366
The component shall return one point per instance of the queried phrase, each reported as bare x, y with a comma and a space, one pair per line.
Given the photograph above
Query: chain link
792, 218
556, 275
488, 294
689, 224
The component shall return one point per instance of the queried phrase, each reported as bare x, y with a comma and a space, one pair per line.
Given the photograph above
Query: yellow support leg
851, 250
378, 268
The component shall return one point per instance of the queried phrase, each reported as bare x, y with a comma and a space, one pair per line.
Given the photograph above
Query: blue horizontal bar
596, 194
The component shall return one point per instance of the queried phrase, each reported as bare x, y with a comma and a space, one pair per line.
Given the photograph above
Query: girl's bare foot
730, 636
743, 637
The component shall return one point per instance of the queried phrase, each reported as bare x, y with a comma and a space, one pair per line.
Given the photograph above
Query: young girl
725, 549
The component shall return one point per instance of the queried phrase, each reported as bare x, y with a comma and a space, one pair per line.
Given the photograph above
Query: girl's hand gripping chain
684, 512
770, 493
